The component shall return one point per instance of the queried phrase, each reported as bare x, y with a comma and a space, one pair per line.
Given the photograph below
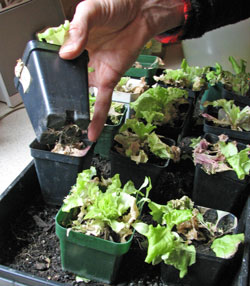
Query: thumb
78, 32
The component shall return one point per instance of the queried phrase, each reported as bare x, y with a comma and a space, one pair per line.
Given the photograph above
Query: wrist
163, 15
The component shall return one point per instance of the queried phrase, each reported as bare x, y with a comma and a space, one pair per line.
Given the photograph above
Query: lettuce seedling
129, 85
137, 140
191, 77
159, 105
229, 115
221, 156
102, 207
115, 113
239, 82
179, 224
55, 35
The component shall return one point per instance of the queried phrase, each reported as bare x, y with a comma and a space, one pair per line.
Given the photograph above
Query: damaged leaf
221, 156
137, 140
229, 115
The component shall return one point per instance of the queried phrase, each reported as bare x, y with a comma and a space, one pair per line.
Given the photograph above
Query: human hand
113, 32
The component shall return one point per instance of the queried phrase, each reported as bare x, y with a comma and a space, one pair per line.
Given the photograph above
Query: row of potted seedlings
99, 217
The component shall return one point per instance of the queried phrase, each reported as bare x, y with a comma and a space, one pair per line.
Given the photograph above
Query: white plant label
22, 72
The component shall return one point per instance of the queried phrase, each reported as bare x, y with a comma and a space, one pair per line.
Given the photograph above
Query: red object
174, 36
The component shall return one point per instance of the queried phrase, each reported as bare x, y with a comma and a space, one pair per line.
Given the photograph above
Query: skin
114, 32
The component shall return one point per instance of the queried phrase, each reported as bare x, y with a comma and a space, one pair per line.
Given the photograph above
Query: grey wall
18, 25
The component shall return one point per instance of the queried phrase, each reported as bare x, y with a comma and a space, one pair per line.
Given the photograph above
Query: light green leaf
227, 246
175, 217
159, 148
181, 257
55, 35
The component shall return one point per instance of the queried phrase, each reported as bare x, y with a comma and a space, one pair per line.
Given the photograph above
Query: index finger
101, 109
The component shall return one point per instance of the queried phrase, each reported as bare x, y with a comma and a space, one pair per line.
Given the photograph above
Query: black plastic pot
182, 128
208, 270
222, 191
57, 173
240, 100
129, 170
57, 92
209, 127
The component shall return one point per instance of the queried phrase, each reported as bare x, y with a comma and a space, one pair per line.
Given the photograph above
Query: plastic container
89, 256
57, 173
210, 94
208, 270
148, 70
209, 127
54, 91
129, 170
240, 100
106, 138
223, 190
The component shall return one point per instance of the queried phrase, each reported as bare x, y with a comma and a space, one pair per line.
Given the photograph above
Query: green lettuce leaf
230, 115
157, 105
159, 148
176, 217
55, 35
84, 188
163, 245
226, 246
100, 204
181, 257
239, 161
139, 128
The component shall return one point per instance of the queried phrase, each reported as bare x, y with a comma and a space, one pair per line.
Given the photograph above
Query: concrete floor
16, 133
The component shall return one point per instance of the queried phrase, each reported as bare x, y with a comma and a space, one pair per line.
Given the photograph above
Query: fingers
78, 31
102, 106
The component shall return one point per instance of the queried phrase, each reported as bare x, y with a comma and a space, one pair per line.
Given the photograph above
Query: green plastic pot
149, 67
89, 256
105, 140
210, 94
